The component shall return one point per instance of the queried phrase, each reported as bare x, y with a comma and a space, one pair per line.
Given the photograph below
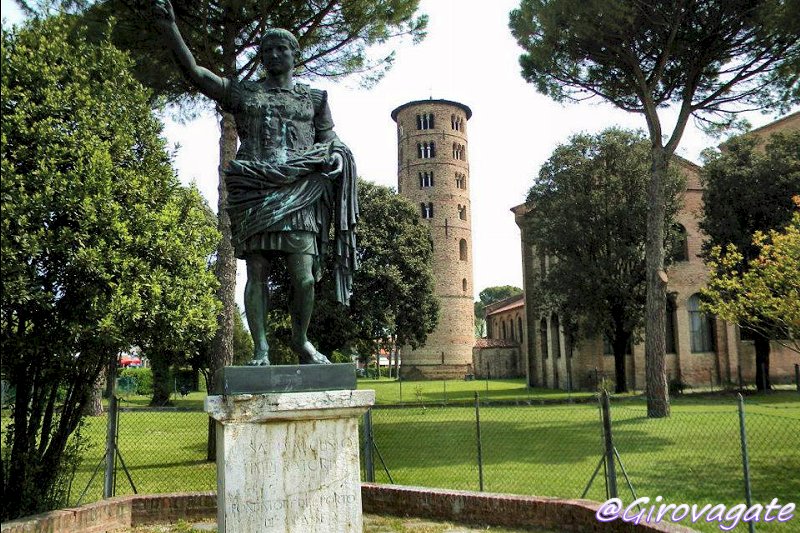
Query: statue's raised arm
206, 81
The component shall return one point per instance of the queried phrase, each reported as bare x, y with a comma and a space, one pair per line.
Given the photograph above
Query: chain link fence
696, 455
157, 450
524, 447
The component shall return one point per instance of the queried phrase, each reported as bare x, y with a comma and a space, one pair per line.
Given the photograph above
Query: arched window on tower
513, 334
462, 249
462, 212
461, 181
425, 179
464, 284
425, 121
426, 150
504, 328
427, 209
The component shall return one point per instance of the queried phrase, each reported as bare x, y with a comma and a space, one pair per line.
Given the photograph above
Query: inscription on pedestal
299, 474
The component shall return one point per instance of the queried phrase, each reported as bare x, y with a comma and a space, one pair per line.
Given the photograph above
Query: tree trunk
655, 314
620, 345
222, 346
761, 344
161, 383
94, 407
111, 375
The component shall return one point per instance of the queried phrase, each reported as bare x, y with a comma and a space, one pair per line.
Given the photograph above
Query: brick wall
486, 509
122, 512
495, 509
497, 362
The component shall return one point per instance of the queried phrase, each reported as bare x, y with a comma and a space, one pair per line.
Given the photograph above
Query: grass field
537, 447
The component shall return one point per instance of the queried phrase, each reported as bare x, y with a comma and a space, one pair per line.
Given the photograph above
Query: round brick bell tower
433, 172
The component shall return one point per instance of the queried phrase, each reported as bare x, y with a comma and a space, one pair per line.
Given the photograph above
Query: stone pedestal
288, 461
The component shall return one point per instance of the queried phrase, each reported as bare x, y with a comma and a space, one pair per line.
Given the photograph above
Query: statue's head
279, 50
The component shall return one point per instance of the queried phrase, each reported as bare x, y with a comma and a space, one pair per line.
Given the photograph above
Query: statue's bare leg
256, 305
302, 304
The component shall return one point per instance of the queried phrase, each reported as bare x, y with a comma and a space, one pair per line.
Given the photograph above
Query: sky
469, 56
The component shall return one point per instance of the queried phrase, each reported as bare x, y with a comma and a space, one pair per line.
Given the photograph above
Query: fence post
400, 381
797, 376
478, 437
609, 445
741, 381
369, 465
745, 460
111, 446
444, 389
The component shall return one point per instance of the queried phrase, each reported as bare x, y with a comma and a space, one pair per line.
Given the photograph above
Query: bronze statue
290, 174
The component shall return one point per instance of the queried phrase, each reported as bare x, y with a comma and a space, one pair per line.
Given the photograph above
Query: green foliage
747, 193
764, 297
747, 190
641, 55
100, 244
335, 37
142, 377
588, 212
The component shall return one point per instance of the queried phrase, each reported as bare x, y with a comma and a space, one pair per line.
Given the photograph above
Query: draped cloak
279, 191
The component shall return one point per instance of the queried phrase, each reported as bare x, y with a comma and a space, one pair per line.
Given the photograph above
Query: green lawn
692, 457
538, 447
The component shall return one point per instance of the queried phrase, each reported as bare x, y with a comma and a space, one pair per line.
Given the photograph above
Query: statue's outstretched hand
163, 11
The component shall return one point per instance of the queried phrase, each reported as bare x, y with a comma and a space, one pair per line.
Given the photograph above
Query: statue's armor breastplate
273, 124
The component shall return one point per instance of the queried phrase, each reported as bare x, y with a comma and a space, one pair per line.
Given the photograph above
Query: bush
143, 377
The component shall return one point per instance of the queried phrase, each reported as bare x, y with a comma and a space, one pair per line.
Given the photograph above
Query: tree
89, 206
184, 307
766, 297
709, 59
588, 213
393, 289
748, 193
488, 296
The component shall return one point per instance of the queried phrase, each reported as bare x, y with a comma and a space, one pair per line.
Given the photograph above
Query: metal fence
696, 455
699, 454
